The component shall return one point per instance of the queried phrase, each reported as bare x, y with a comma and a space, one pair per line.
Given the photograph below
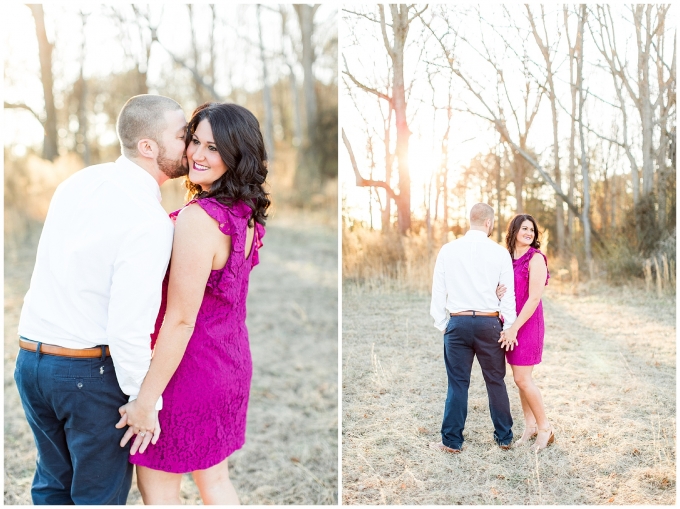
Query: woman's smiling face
526, 234
205, 162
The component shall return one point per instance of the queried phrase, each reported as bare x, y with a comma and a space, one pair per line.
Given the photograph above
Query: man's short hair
479, 213
143, 116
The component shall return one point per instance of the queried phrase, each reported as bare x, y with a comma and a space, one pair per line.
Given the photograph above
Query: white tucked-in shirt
102, 256
466, 275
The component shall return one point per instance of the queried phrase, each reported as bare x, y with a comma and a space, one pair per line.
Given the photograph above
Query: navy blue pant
465, 337
72, 406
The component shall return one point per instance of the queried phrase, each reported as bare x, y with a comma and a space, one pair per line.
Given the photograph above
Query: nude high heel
551, 439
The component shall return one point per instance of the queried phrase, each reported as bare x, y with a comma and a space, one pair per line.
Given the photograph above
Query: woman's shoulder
538, 261
193, 214
536, 255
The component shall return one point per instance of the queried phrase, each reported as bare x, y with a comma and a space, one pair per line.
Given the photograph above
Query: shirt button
80, 385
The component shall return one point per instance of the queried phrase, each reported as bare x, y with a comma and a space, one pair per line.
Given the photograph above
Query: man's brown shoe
505, 447
438, 446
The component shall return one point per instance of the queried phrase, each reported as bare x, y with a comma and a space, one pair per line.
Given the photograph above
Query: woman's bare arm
196, 243
538, 272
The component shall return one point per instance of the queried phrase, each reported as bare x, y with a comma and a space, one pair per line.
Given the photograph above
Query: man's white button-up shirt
466, 275
101, 259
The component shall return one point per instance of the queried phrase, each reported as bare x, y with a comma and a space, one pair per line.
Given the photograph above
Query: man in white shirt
92, 304
465, 307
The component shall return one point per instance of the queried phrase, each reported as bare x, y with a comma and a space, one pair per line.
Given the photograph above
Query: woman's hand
141, 421
500, 291
508, 339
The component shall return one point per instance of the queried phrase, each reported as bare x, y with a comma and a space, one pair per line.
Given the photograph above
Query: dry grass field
291, 451
608, 381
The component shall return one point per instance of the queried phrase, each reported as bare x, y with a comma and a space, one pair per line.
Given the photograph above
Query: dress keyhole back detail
250, 239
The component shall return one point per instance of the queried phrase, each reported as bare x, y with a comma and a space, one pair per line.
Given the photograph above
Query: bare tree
573, 50
81, 97
585, 213
266, 93
193, 65
307, 176
495, 115
49, 122
649, 21
135, 30
402, 16
548, 57
292, 80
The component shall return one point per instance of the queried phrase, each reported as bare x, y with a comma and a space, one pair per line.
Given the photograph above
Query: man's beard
171, 167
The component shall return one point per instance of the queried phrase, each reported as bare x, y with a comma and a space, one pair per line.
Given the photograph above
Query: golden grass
607, 379
291, 450
388, 261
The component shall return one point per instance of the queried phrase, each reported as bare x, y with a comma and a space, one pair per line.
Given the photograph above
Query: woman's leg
532, 395
215, 486
158, 487
530, 426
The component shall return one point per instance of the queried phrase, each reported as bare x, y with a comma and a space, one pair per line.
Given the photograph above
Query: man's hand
142, 422
500, 291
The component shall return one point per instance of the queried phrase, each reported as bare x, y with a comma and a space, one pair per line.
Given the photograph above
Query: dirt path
291, 451
607, 379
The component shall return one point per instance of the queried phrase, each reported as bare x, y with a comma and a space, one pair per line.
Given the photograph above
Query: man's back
466, 275
92, 215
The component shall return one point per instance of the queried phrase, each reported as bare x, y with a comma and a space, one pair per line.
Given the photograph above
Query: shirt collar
475, 233
140, 176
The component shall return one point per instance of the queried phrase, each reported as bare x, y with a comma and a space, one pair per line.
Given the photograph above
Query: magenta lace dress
529, 349
203, 419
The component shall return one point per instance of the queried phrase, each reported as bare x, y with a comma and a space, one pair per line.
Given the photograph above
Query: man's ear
147, 147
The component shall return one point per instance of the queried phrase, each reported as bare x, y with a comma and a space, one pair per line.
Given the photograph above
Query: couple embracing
133, 342
473, 277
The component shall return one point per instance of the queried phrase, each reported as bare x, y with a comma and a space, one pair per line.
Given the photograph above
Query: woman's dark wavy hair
513, 227
237, 136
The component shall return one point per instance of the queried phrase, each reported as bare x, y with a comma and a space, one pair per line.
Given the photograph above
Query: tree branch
360, 181
364, 16
23, 106
362, 86
192, 70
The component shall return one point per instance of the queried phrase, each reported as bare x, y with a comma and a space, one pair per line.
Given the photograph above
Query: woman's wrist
146, 402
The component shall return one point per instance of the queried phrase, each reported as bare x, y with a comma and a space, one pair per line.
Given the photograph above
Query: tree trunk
545, 51
518, 177
50, 148
499, 228
307, 176
585, 213
292, 80
81, 88
266, 93
400, 26
644, 95
386, 219
572, 131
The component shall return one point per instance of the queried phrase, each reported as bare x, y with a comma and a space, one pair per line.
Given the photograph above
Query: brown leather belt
62, 352
474, 313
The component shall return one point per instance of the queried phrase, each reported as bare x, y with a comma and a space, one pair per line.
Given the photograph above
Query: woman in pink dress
531, 277
201, 362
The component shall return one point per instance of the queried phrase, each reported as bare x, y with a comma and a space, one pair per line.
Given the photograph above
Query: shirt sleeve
135, 299
438, 304
507, 278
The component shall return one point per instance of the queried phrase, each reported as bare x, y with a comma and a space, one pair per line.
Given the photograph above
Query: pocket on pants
18, 365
